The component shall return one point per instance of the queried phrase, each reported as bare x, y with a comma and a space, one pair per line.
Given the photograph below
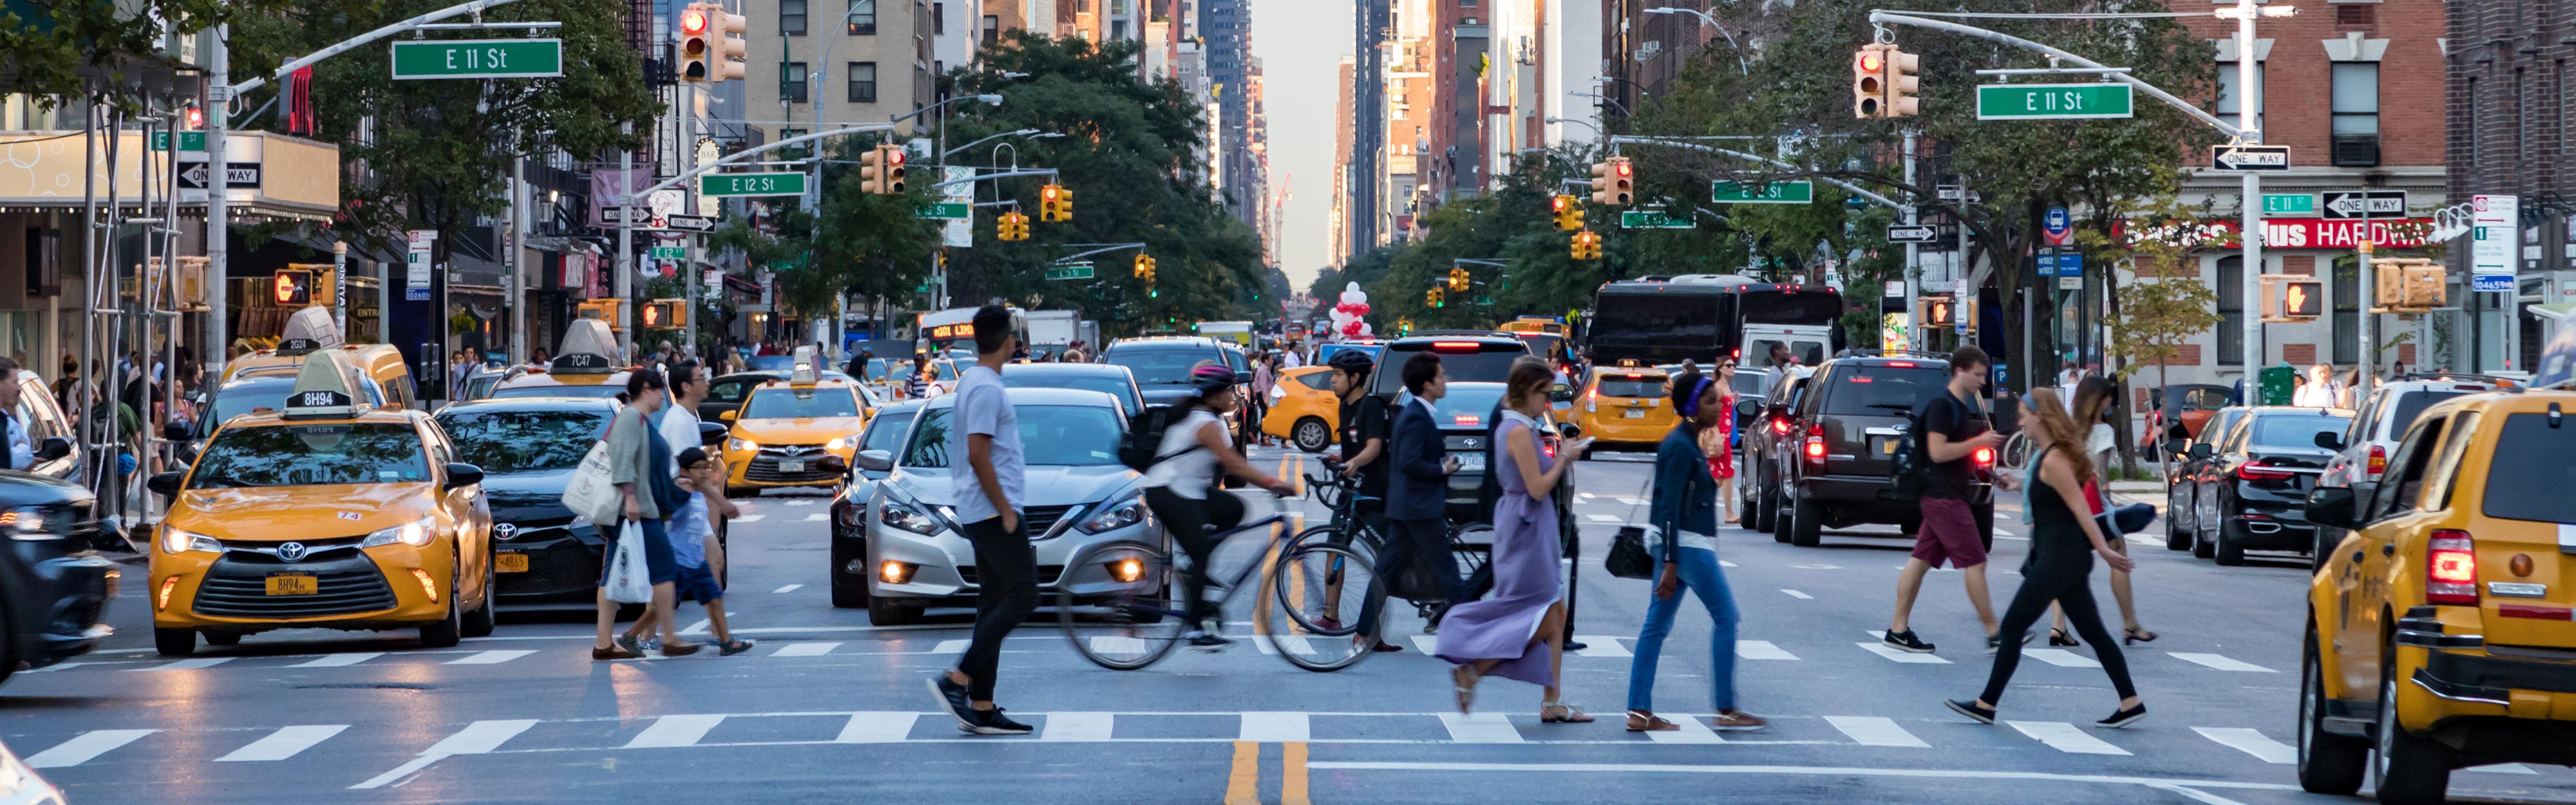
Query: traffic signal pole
1914, 331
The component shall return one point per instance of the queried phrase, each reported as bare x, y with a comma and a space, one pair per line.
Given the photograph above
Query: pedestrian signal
294, 288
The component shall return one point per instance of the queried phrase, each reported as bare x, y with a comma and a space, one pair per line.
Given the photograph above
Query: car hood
527, 496
280, 513
1046, 485
29, 489
797, 431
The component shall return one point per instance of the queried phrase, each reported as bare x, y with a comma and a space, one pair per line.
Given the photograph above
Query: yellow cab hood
808, 430
282, 513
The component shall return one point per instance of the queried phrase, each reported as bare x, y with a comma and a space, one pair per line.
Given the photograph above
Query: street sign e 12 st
2249, 157
1070, 271
1796, 192
1653, 219
2055, 101
669, 253
478, 58
1918, 233
2345, 205
752, 184
2289, 204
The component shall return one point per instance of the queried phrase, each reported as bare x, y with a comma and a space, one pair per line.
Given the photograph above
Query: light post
1721, 31
938, 267
1031, 133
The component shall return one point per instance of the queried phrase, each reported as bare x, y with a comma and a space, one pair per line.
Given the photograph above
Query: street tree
58, 51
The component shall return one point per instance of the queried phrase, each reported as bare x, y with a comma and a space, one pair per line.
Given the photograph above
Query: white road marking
184, 665
80, 749
1797, 595
1293, 643
699, 627
876, 728
2502, 768
1604, 518
1602, 645
1882, 650
1427, 644
2219, 662
338, 660
2187, 788
493, 657
959, 646
1479, 728
815, 648
1761, 650
1105, 644
1816, 566
1875, 731
2065, 737
2251, 742
2060, 657
284, 743
1077, 727
749, 518
1692, 731
675, 731
477, 738
798, 502
787, 589
60, 666
1273, 727
816, 517
1724, 563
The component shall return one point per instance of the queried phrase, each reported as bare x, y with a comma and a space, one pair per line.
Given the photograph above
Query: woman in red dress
1719, 442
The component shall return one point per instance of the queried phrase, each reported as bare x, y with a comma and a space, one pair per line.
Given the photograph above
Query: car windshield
1644, 386
876, 369
240, 396
885, 432
795, 403
2203, 399
504, 442
601, 391
311, 455
1467, 406
1050, 435
1109, 384
1884, 389
2529, 476
2294, 430
1160, 367
2411, 405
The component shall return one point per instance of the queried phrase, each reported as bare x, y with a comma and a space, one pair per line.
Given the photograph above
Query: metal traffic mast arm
1855, 189
475, 8
1104, 249
1884, 18
1047, 172
747, 153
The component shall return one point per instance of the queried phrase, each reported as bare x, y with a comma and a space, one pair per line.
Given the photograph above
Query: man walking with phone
1955, 427
989, 487
1417, 497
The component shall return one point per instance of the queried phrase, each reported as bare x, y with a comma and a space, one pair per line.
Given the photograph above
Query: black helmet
1352, 361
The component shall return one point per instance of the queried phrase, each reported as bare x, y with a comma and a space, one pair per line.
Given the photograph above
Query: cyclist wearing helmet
1181, 488
1364, 431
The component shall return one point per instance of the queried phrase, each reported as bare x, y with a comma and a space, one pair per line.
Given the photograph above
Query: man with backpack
1950, 429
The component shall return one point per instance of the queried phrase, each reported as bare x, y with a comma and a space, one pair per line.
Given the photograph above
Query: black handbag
1628, 558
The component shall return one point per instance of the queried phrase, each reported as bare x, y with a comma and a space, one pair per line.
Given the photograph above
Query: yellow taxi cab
327, 514
800, 431
1303, 409
581, 368
1624, 405
312, 330
2439, 629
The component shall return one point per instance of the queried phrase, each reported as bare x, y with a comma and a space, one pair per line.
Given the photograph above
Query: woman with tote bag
639, 464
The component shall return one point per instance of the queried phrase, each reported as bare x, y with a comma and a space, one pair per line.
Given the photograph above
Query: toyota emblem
1471, 442
291, 552
505, 531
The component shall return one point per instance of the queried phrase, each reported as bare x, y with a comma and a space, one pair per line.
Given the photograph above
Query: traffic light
1869, 81
881, 171
1055, 203
1458, 279
665, 314
1568, 211
317, 289
1614, 182
2407, 285
731, 52
1435, 298
1903, 86
1014, 226
2303, 300
695, 49
1145, 268
1939, 312
294, 288
1587, 245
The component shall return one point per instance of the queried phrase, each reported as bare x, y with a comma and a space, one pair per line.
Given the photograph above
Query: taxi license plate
1887, 446
511, 562
791, 465
1634, 413
292, 585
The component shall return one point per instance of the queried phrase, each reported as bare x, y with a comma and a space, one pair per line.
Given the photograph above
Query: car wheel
2202, 545
478, 623
1312, 435
1805, 530
2230, 550
2328, 763
1766, 510
223, 638
849, 590
447, 631
2410, 770
886, 612
174, 642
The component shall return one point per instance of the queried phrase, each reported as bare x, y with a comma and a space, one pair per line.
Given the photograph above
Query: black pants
1423, 545
1007, 591
1193, 524
2065, 580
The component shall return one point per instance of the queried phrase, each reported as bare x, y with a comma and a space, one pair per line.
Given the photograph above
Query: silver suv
2361, 451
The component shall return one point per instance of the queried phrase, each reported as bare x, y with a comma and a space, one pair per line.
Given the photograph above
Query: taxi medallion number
510, 562
293, 585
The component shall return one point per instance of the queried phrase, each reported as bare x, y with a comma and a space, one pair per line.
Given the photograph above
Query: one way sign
1911, 234
2250, 157
2351, 204
236, 174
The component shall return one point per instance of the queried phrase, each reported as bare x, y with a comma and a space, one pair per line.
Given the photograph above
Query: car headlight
415, 533
740, 445
580, 521
1120, 515
837, 443
174, 540
33, 523
905, 516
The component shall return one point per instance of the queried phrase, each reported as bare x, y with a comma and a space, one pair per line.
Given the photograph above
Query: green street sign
950, 210
2055, 101
188, 141
669, 253
1070, 271
1797, 192
478, 58
751, 184
1653, 219
2289, 204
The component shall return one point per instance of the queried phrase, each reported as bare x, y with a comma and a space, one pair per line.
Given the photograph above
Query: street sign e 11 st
1070, 271
2344, 205
752, 184
1919, 233
1653, 219
950, 210
1797, 192
2055, 101
188, 141
2289, 204
478, 58
2249, 157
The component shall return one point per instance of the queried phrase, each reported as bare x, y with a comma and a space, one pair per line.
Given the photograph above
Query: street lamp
1623, 108
1021, 133
1712, 22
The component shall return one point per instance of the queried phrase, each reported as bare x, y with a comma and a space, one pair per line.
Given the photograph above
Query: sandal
2058, 637
1463, 679
1652, 722
1739, 721
1573, 714
2136, 635
732, 647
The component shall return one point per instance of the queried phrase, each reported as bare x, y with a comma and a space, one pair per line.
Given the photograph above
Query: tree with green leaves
870, 244
59, 50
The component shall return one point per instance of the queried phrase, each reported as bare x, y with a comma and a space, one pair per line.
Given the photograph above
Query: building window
2347, 311
863, 17
863, 82
2227, 93
992, 29
792, 82
939, 19
2231, 311
2356, 113
791, 17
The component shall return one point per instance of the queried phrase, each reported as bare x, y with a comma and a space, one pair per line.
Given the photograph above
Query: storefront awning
280, 177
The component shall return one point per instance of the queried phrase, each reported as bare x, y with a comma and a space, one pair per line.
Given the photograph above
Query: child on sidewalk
693, 542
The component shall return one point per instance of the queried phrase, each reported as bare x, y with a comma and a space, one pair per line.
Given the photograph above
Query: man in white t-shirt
990, 494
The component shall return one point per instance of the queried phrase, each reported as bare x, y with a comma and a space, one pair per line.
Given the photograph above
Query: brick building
2510, 104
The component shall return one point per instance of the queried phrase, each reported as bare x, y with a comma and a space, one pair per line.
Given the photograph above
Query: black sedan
54, 584
528, 447
2252, 490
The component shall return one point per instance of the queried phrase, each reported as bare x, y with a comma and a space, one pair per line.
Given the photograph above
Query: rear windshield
2295, 430
2203, 399
2411, 405
1109, 384
1467, 407
1489, 365
1883, 390
1646, 387
2529, 477
598, 392
1161, 366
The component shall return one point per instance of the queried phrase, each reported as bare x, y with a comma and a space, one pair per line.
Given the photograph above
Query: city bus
940, 331
1666, 320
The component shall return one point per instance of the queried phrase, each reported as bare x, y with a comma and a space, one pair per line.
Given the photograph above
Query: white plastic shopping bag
628, 580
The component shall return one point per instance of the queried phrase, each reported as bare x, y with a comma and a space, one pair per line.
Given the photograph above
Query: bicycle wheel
1120, 606
1316, 594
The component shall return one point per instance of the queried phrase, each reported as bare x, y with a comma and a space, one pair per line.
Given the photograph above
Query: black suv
1843, 436
53, 583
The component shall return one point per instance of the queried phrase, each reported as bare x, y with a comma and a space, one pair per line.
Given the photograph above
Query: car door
2364, 561
725, 395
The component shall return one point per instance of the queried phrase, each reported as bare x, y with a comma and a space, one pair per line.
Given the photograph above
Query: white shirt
680, 429
1185, 471
984, 407
2315, 395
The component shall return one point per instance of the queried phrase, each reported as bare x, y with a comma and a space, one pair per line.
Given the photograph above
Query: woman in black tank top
2062, 546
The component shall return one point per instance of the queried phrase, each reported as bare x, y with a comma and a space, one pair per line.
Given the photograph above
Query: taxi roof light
587, 343
324, 388
804, 363
307, 330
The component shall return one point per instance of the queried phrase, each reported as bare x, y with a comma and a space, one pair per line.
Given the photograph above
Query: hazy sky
1301, 44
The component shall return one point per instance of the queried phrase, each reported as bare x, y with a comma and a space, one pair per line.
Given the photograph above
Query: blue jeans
1700, 576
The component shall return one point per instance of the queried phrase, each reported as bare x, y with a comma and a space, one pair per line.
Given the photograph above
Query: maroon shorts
1949, 533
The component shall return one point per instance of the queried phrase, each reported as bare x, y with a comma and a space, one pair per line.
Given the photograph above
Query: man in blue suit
1417, 498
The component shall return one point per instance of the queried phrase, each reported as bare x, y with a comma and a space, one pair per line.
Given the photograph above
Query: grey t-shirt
984, 406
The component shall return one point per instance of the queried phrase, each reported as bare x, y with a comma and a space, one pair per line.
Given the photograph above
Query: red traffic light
693, 21
1872, 62
1558, 203
894, 156
1049, 192
1625, 168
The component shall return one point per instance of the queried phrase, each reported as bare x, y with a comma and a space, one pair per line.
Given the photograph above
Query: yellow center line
1242, 785
1292, 774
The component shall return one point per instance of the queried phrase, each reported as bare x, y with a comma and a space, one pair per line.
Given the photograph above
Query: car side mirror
875, 460
177, 431
54, 447
461, 475
711, 434
2201, 451
2332, 506
2330, 440
1747, 409
165, 484
2177, 447
729, 416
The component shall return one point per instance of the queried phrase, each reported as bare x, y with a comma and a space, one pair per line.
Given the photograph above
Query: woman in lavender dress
1518, 632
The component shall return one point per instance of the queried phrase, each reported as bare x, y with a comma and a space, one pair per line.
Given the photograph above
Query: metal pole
2366, 323
1913, 258
339, 288
218, 106
2249, 97
514, 291
625, 262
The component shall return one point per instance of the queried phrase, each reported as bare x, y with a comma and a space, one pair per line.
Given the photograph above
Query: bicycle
1341, 495
1120, 607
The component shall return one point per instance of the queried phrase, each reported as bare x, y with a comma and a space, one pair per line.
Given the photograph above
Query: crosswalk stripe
2065, 737
876, 728
1601, 645
670, 731
1875, 731
817, 517
2502, 768
493, 657
1294, 643
1427, 644
2251, 742
787, 589
60, 666
1605, 518
1077, 727
1271, 727
2220, 662
81, 748
1882, 650
284, 743
807, 649
1480, 728
338, 660
959, 646
1692, 731
1115, 645
1798, 595
481, 736
1761, 650
749, 518
185, 665
2060, 657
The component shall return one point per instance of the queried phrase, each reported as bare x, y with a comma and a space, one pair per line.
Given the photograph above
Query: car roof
1163, 342
600, 404
1065, 369
1042, 396
1425, 341
1599, 371
2276, 410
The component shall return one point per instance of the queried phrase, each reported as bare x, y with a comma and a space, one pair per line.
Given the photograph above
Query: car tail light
2451, 568
2378, 460
1779, 425
1983, 457
2259, 471
1816, 443
1592, 401
1901, 364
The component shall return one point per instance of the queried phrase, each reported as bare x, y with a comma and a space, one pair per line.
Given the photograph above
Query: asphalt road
831, 709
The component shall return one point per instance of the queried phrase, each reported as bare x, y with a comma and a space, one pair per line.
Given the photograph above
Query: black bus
1662, 320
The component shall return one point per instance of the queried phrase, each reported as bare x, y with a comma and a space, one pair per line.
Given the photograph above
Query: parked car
53, 582
1115, 381
2252, 489
1767, 443
885, 431
1847, 427
2181, 411
2182, 495
2361, 451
